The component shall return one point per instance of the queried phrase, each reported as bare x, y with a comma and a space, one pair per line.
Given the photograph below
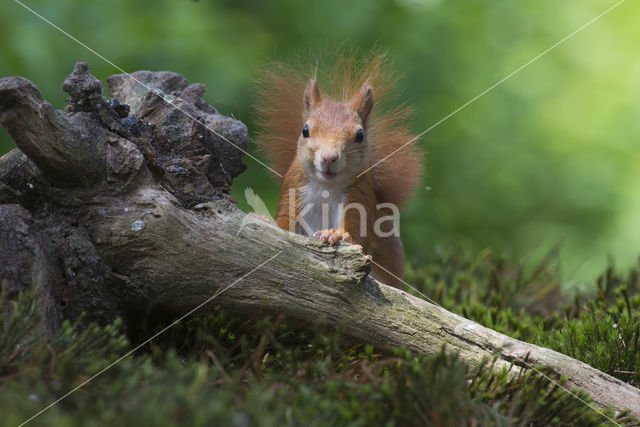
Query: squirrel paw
261, 217
332, 236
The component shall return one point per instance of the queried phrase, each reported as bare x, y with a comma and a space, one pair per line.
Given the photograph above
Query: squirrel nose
330, 157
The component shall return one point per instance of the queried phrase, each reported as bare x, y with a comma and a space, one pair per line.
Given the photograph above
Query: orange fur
356, 99
279, 109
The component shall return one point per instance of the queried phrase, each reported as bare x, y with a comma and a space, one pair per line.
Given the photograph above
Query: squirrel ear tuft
311, 96
363, 102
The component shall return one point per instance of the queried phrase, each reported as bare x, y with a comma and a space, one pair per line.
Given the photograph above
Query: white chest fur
320, 208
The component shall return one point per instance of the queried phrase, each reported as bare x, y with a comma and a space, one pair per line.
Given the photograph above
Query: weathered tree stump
121, 208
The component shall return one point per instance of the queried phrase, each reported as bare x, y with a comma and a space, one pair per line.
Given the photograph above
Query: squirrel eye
359, 136
305, 131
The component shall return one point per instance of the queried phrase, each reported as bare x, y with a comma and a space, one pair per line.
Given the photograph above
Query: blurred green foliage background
548, 157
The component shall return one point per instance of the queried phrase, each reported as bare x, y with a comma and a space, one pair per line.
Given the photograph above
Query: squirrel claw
261, 217
333, 237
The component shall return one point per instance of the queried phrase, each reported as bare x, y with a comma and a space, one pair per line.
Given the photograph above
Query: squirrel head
333, 147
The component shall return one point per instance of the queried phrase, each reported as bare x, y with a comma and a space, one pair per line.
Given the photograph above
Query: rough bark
121, 208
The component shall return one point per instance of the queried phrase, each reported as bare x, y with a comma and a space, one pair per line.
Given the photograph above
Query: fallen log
121, 208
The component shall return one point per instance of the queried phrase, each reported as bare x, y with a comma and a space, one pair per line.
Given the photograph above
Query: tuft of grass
605, 333
216, 369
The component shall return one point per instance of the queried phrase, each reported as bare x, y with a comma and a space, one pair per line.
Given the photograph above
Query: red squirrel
324, 147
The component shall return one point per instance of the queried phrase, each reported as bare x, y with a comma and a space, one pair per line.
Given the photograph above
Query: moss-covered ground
215, 369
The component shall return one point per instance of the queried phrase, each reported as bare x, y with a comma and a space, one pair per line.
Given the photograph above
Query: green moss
215, 369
